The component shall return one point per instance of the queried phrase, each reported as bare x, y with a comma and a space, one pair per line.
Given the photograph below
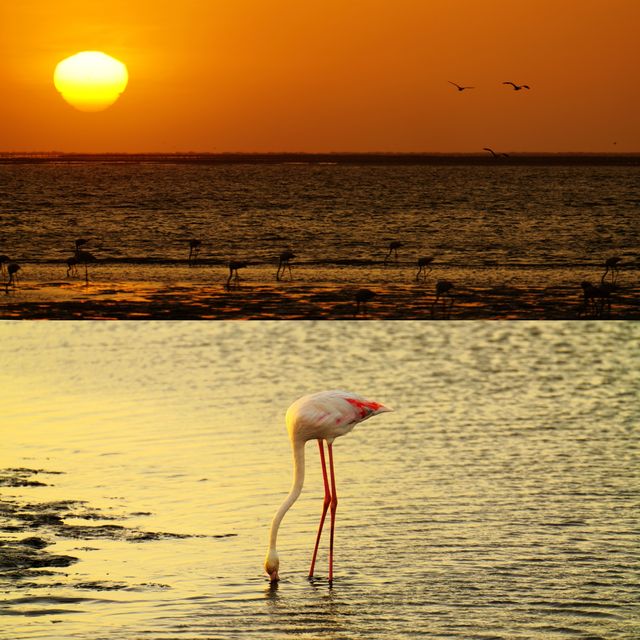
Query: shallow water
499, 500
533, 223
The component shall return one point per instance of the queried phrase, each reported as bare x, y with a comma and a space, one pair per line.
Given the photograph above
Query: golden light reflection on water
500, 495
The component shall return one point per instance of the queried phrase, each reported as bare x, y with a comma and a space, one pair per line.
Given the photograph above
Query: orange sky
328, 75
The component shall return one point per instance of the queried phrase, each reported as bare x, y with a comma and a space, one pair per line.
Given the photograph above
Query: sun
90, 80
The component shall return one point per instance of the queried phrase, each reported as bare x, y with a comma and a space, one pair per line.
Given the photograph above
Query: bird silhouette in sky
494, 154
518, 87
459, 87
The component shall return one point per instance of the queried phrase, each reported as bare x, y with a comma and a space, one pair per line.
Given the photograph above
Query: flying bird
518, 87
459, 87
323, 417
494, 154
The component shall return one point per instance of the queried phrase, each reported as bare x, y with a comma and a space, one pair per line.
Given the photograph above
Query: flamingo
285, 261
12, 270
4, 260
362, 297
72, 261
596, 298
320, 416
84, 257
72, 266
234, 265
393, 248
443, 290
458, 86
518, 87
194, 250
423, 264
611, 264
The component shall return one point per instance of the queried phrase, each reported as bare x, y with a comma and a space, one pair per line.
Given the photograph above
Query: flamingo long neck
296, 489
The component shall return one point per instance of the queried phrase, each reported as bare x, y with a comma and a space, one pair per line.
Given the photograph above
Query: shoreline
333, 158
251, 300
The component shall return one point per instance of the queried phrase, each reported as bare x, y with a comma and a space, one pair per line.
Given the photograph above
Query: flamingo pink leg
334, 506
325, 506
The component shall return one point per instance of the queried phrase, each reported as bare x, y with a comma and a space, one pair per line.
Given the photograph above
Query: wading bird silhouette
424, 263
518, 87
234, 266
84, 257
596, 300
362, 297
393, 249
459, 87
72, 266
611, 265
443, 291
73, 261
323, 417
12, 270
194, 250
284, 262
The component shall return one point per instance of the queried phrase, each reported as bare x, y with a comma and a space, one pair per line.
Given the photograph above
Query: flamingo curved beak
274, 576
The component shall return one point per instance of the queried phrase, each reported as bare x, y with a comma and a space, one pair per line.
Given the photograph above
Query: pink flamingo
319, 416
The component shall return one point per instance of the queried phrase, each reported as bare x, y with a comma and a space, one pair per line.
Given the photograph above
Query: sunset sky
328, 75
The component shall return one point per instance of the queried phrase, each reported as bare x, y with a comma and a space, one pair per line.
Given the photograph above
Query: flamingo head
271, 565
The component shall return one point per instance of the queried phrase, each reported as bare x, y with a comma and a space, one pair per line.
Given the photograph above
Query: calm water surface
499, 500
486, 224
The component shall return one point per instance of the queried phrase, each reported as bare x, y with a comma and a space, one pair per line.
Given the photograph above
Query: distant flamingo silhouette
12, 270
596, 299
443, 291
73, 261
424, 263
459, 87
284, 262
362, 297
518, 87
4, 260
322, 416
611, 266
194, 250
234, 267
84, 257
393, 249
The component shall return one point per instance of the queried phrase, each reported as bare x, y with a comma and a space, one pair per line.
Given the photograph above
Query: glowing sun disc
90, 80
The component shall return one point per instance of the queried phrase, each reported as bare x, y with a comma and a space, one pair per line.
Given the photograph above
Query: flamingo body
328, 415
322, 416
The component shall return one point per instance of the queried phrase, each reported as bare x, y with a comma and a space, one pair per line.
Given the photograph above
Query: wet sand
255, 300
28, 528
